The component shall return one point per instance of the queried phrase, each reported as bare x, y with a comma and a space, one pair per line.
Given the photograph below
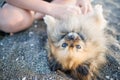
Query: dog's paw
54, 65
99, 17
98, 8
83, 70
49, 21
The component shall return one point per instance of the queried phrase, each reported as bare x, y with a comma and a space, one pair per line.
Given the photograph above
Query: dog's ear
49, 21
99, 17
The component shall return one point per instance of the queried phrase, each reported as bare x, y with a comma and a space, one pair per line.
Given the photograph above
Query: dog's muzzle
72, 36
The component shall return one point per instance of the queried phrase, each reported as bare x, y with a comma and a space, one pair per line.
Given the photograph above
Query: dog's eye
78, 46
62, 36
64, 45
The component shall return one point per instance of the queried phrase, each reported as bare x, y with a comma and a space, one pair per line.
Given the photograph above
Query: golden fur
84, 54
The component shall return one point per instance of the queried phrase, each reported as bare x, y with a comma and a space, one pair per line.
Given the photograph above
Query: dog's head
77, 38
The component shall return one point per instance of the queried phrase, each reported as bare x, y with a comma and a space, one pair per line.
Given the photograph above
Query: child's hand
62, 11
85, 5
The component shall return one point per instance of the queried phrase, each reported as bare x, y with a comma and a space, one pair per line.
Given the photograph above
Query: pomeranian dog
77, 44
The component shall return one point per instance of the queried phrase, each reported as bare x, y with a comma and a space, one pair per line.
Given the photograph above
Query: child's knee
14, 25
8, 23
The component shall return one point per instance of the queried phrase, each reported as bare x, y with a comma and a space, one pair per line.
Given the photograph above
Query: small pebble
24, 78
22, 57
111, 79
118, 67
50, 78
107, 77
36, 78
35, 26
30, 34
3, 58
31, 45
17, 59
1, 44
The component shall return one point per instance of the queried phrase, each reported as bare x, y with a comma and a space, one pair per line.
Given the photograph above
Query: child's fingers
38, 16
84, 8
90, 8
74, 9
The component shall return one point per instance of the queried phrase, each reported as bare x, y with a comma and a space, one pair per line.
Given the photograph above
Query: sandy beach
23, 55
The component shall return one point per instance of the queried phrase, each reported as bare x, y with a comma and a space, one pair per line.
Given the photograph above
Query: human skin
18, 15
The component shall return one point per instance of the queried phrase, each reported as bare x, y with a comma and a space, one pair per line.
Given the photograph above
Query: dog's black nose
71, 37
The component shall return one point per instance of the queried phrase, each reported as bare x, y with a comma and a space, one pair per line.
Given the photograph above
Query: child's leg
13, 19
66, 2
40, 15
